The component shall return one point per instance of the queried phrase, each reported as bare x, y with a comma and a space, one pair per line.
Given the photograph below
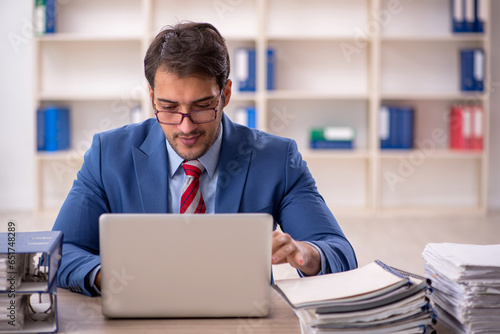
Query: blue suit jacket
125, 171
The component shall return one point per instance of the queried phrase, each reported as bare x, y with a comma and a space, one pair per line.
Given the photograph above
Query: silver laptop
172, 265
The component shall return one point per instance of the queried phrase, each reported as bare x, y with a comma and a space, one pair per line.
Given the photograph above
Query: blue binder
50, 16
332, 144
478, 18
458, 15
245, 69
40, 130
53, 129
271, 66
405, 123
251, 117
396, 127
472, 64
246, 116
469, 14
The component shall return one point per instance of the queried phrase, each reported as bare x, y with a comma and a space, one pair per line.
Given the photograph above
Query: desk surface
81, 314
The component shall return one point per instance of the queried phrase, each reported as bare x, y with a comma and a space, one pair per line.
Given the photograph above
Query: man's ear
227, 91
150, 93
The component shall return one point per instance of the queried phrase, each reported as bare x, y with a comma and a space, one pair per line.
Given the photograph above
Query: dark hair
186, 49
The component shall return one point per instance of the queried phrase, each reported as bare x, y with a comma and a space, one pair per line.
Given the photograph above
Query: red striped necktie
192, 199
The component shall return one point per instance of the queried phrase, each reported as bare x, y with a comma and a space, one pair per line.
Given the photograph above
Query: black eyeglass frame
215, 109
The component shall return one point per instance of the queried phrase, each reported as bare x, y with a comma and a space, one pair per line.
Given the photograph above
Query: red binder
466, 127
477, 127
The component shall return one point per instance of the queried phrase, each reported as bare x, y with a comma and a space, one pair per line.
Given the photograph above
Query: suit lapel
151, 170
233, 170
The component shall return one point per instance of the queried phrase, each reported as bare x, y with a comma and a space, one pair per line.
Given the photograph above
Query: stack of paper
375, 298
466, 282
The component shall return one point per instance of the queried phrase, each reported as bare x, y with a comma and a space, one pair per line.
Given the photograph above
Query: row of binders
468, 16
29, 262
466, 283
375, 298
396, 129
245, 64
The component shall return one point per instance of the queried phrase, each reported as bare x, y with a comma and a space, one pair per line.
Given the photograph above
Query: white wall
16, 108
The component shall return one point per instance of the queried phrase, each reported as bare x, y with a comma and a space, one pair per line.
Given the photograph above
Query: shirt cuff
323, 261
91, 279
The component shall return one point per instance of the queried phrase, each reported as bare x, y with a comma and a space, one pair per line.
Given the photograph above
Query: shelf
243, 96
308, 153
336, 63
430, 211
232, 37
435, 154
317, 37
314, 95
88, 37
408, 95
66, 155
87, 96
446, 38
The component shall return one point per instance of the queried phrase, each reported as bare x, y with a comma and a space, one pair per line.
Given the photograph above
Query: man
139, 167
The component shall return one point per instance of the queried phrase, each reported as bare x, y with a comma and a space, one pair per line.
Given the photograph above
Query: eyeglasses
197, 116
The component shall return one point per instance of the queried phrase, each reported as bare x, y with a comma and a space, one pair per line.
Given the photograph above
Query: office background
17, 127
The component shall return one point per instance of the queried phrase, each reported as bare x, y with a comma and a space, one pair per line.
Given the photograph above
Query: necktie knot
193, 168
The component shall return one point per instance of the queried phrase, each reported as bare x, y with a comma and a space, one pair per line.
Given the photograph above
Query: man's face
189, 140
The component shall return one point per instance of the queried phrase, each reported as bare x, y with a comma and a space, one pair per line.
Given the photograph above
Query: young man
139, 167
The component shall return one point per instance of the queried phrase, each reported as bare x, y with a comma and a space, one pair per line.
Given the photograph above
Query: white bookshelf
407, 56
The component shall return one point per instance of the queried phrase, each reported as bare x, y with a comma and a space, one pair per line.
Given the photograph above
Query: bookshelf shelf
433, 154
60, 156
445, 96
88, 37
319, 38
314, 95
446, 38
343, 61
87, 95
337, 154
243, 96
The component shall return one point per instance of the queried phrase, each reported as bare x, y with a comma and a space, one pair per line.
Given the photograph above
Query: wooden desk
81, 314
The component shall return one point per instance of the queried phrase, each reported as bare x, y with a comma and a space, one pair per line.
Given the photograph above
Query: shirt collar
209, 160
